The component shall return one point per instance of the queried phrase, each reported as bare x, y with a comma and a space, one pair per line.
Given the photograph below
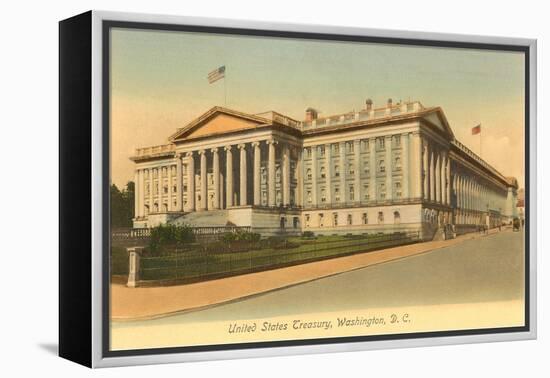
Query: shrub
241, 235
170, 234
308, 234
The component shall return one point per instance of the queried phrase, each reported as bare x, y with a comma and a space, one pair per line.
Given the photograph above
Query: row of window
349, 219
350, 146
351, 168
351, 193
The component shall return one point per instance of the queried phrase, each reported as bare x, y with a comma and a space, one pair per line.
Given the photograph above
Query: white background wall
28, 185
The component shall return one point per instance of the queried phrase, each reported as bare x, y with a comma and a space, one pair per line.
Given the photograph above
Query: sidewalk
153, 302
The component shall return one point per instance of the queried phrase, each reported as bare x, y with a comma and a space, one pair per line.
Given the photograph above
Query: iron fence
215, 259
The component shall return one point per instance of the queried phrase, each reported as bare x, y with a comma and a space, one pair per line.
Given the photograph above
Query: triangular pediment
438, 120
218, 121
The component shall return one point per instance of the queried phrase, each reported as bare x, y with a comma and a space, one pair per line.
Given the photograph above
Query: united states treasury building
387, 169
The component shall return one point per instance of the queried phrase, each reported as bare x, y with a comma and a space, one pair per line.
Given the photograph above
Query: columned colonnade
436, 168
217, 178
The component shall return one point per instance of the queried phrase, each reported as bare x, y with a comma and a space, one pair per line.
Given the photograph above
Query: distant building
520, 205
394, 168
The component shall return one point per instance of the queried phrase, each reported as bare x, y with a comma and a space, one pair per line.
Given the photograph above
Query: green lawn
193, 263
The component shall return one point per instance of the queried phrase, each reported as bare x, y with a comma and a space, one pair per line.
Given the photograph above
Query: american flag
217, 74
476, 130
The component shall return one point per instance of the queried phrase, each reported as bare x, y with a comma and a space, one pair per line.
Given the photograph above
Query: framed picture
232, 189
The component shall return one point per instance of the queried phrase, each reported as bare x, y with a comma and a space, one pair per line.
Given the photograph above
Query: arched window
156, 208
350, 220
365, 218
337, 171
396, 217
380, 217
382, 166
164, 207
323, 172
308, 173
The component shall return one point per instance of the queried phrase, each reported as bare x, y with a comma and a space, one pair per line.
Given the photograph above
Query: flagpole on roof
480, 133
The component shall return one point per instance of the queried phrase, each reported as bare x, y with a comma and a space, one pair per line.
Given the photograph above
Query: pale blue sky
159, 83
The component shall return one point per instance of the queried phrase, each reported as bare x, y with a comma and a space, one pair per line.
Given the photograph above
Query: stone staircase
210, 218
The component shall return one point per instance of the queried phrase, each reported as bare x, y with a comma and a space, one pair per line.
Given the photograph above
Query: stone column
170, 186
204, 181
464, 192
286, 175
299, 178
190, 182
313, 176
372, 170
141, 198
242, 188
357, 166
221, 189
448, 176
432, 178
271, 173
471, 193
179, 183
328, 180
442, 177
457, 189
415, 166
343, 173
257, 174
136, 193
216, 177
405, 168
151, 190
229, 176
160, 182
426, 170
438, 178
468, 194
389, 170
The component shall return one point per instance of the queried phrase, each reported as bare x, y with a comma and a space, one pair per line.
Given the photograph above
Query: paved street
485, 269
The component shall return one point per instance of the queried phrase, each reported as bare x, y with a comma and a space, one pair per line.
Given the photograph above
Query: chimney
390, 101
368, 104
311, 114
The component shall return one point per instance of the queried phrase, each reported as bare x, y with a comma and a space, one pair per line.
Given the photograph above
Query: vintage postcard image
275, 189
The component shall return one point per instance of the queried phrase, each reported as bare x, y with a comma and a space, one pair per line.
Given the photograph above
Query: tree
122, 205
